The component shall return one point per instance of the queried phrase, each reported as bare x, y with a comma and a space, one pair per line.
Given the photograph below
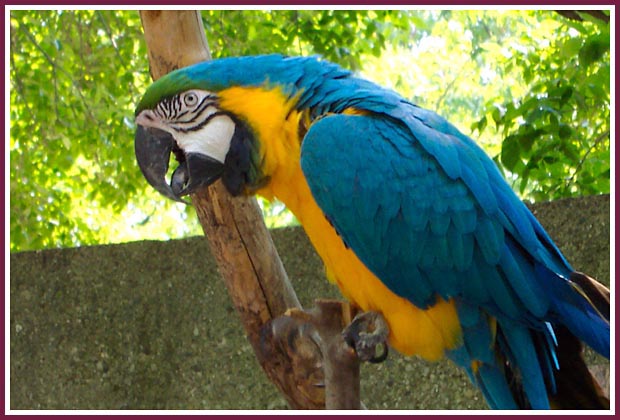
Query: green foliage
556, 135
73, 81
534, 79
342, 36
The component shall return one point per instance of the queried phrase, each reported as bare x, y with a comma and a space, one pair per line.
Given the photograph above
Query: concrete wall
148, 325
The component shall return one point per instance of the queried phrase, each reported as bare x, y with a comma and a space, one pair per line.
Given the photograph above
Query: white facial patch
194, 121
212, 140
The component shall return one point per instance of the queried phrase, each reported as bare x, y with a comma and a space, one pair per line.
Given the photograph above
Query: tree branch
108, 32
575, 14
337, 346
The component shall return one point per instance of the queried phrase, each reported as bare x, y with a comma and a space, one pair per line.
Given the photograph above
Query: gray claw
367, 334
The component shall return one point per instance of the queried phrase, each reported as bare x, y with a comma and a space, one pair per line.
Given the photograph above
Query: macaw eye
190, 99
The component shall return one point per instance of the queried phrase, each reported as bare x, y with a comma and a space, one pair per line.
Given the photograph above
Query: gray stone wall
149, 325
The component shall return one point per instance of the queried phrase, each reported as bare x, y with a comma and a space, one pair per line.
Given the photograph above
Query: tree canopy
532, 87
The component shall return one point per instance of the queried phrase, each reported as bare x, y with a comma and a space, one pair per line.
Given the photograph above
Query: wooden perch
337, 370
343, 336
341, 365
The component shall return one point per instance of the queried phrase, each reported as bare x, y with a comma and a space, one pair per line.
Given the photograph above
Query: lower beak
153, 148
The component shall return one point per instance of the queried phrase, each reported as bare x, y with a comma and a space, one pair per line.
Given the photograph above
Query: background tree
531, 86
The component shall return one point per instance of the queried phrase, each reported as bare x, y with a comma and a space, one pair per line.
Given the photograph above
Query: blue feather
529, 292
519, 339
492, 383
490, 239
574, 311
465, 220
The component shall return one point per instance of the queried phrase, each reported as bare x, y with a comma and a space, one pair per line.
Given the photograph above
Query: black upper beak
153, 148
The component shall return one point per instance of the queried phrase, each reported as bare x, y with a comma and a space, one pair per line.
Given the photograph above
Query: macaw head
215, 117
182, 116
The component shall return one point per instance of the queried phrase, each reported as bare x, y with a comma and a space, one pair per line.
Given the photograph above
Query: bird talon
366, 334
382, 356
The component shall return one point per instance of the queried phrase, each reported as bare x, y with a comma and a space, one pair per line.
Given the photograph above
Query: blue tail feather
574, 311
519, 340
492, 382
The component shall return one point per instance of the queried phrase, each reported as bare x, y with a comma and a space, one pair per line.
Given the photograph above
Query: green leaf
593, 50
481, 124
527, 140
497, 116
510, 152
571, 47
564, 131
566, 94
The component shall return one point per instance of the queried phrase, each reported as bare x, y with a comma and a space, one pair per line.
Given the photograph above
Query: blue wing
429, 213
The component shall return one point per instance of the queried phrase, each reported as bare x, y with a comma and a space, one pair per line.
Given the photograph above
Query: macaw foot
367, 334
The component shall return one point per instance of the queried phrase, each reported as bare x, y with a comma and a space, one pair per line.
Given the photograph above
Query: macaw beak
153, 148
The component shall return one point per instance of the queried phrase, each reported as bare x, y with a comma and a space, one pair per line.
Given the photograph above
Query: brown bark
341, 364
239, 240
174, 39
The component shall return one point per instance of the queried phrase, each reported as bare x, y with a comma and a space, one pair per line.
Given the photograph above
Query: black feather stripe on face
242, 172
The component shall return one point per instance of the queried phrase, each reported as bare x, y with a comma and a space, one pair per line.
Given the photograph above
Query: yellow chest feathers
412, 330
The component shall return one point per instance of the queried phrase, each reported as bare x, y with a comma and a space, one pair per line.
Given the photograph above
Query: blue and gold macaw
410, 217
